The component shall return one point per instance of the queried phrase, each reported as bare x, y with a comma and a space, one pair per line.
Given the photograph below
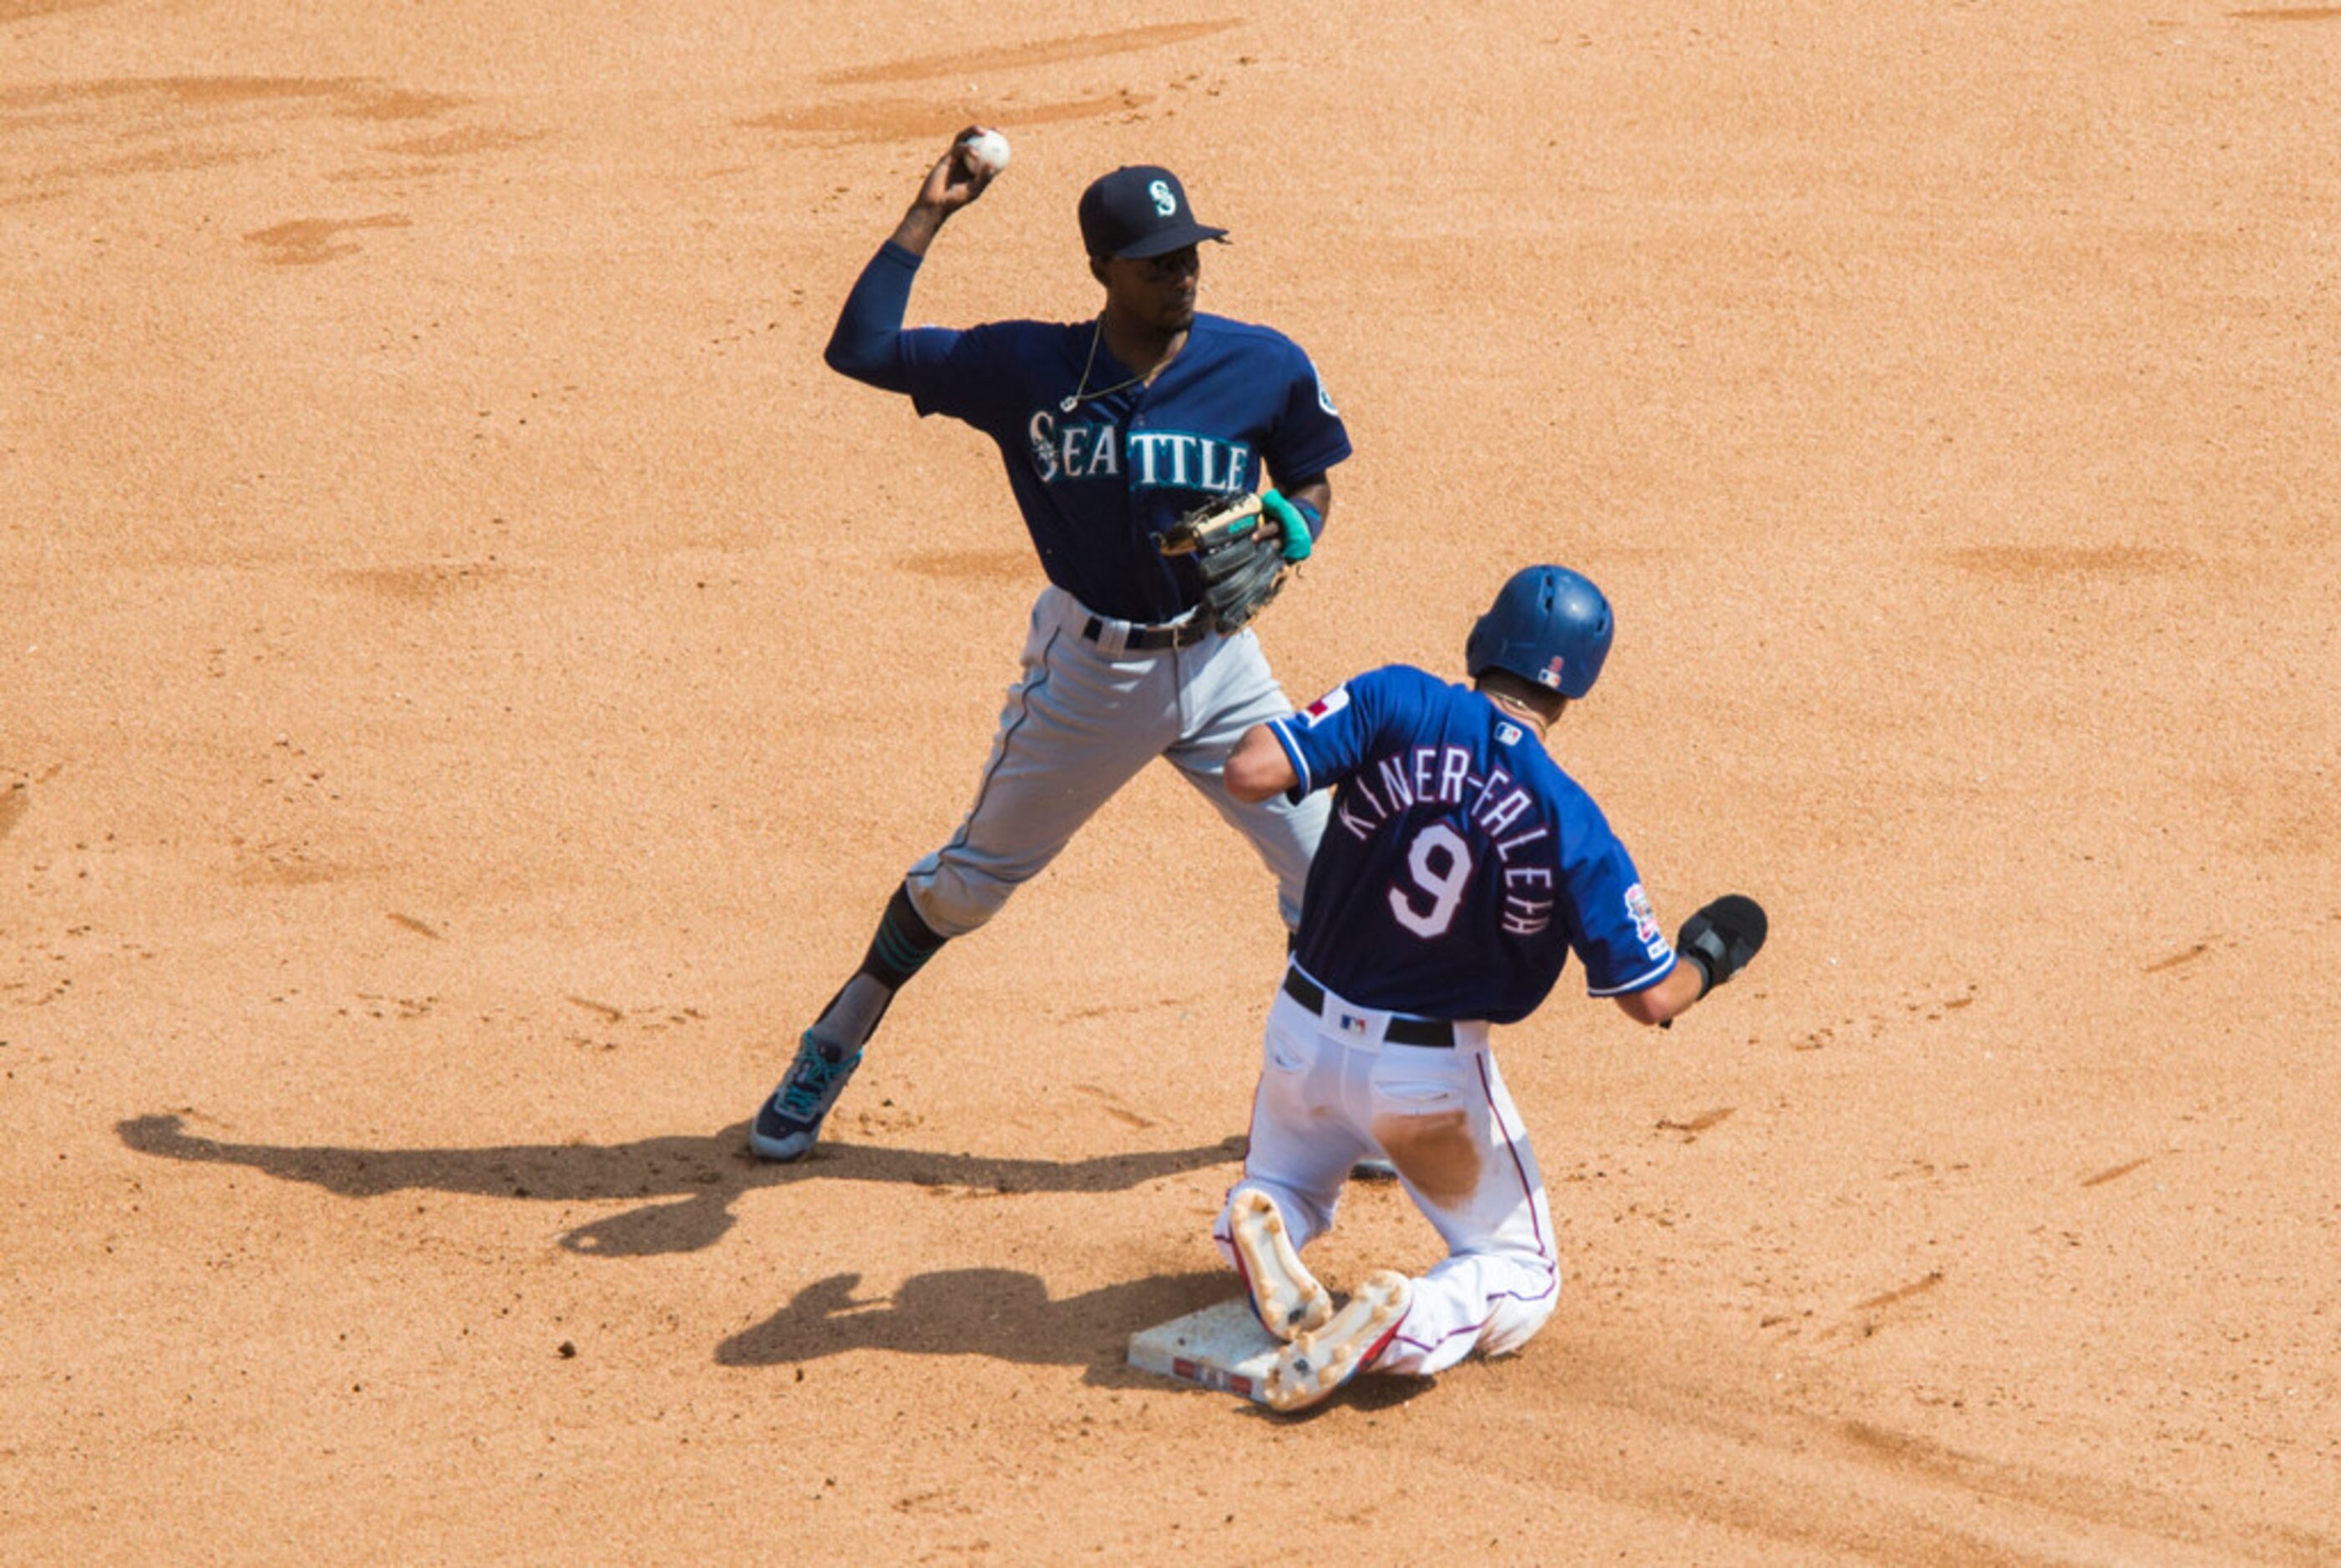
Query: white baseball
988, 151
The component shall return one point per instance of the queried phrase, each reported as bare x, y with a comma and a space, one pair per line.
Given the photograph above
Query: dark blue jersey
1239, 406
1460, 865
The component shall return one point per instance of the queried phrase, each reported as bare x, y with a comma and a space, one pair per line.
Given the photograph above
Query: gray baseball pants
1084, 716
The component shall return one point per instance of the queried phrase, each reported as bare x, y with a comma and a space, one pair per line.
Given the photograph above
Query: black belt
1402, 1031
1152, 639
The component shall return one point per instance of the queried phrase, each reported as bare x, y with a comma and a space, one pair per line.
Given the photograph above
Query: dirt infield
470, 677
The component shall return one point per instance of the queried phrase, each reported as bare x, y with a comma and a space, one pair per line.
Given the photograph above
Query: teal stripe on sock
900, 952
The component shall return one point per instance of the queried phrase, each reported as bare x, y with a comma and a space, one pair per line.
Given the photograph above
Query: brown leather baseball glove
1245, 546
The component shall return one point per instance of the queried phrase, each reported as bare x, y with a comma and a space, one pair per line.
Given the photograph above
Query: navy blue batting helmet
1550, 626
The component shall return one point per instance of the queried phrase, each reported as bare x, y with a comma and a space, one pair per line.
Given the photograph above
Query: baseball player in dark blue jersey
1111, 428
1461, 869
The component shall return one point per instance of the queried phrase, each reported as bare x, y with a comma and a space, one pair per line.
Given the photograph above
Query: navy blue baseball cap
1140, 211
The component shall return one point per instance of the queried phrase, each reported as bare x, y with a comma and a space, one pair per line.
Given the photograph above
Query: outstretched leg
790, 1120
1078, 725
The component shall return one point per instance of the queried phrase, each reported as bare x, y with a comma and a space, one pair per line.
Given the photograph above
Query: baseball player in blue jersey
1111, 428
1461, 869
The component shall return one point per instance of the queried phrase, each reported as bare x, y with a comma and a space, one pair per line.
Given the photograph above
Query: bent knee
1514, 1323
955, 898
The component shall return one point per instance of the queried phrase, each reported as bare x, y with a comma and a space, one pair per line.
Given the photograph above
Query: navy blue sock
902, 947
903, 944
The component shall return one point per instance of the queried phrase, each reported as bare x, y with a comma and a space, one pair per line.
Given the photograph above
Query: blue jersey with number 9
1461, 865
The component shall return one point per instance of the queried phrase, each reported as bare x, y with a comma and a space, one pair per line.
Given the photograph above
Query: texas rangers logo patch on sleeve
1646, 921
1325, 707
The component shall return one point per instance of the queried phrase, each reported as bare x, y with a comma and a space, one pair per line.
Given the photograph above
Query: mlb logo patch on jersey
1325, 707
1507, 734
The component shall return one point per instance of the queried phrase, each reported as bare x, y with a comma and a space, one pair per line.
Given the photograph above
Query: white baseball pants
1331, 1091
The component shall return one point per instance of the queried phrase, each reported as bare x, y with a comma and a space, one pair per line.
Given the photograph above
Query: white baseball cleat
1285, 1296
1316, 1364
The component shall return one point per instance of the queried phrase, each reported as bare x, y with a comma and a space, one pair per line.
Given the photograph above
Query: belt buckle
1164, 635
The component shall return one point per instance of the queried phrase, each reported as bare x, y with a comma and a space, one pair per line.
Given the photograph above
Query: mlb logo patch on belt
1350, 1024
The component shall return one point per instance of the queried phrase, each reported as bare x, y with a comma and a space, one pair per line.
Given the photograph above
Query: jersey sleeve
1309, 437
943, 371
1616, 934
956, 373
1328, 739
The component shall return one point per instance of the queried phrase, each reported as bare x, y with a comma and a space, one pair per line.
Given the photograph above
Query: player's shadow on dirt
689, 1183
994, 1312
1003, 1314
